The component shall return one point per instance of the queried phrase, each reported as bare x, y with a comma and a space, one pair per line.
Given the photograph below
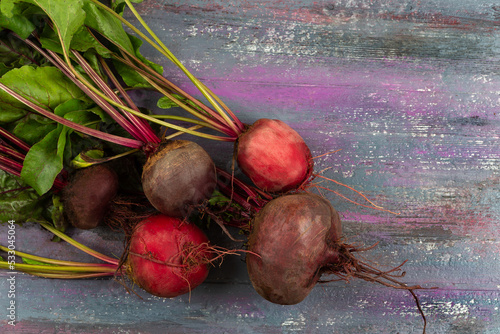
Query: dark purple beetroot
179, 176
87, 196
274, 156
295, 240
295, 236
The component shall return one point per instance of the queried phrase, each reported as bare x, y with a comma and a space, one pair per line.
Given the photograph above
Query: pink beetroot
274, 156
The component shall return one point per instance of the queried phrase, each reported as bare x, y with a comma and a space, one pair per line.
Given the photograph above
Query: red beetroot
274, 156
168, 257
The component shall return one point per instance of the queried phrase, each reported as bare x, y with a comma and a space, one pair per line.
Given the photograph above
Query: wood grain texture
410, 93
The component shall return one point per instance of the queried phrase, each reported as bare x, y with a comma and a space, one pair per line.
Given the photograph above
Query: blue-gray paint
409, 90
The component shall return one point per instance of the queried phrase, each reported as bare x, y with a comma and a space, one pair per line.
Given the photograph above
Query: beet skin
274, 156
87, 196
293, 238
179, 176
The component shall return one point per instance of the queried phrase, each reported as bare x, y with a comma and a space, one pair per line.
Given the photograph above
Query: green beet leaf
67, 16
119, 5
70, 106
14, 53
19, 24
129, 75
21, 203
44, 161
82, 41
46, 158
166, 103
18, 201
85, 41
107, 25
82, 112
44, 86
32, 128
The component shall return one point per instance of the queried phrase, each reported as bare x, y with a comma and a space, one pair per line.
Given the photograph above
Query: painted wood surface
409, 91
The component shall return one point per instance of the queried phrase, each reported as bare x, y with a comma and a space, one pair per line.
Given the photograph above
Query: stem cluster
53, 268
12, 155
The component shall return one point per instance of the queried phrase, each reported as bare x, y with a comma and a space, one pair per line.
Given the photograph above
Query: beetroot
179, 176
295, 240
86, 198
165, 256
295, 236
168, 257
274, 156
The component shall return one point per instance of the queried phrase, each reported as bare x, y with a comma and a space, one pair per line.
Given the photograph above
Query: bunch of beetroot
295, 237
167, 256
178, 176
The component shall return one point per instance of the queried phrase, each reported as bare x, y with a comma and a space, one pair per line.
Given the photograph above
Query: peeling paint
410, 93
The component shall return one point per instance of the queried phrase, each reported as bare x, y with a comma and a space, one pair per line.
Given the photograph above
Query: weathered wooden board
410, 93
